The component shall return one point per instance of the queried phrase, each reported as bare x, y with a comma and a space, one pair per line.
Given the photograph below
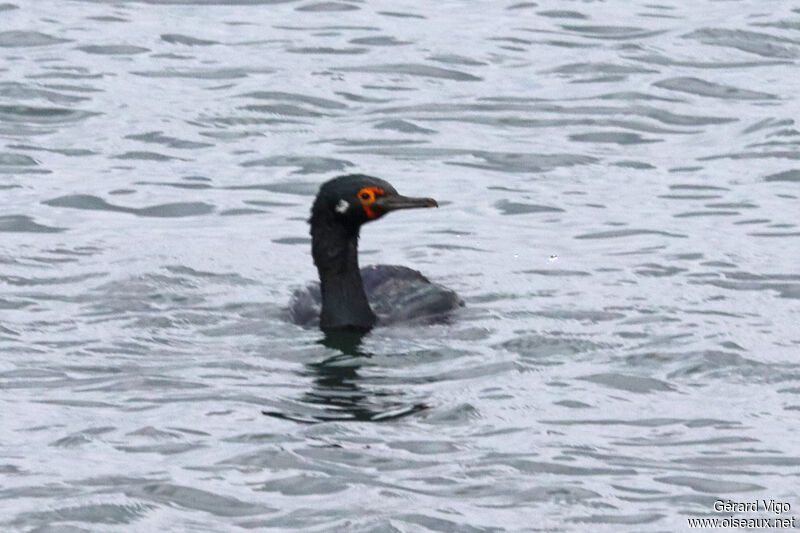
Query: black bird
349, 299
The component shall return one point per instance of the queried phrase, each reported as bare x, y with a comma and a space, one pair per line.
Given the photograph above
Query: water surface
618, 185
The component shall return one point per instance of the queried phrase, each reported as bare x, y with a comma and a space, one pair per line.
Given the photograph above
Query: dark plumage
349, 298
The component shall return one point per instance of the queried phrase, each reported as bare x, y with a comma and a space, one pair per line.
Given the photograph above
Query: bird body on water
352, 299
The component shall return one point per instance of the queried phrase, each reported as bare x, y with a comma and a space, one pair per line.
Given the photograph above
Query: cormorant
351, 299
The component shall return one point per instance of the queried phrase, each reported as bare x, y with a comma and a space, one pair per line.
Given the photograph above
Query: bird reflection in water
337, 394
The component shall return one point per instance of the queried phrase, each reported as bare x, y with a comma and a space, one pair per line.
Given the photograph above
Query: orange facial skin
367, 197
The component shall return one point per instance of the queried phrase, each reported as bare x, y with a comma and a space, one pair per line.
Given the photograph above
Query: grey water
618, 183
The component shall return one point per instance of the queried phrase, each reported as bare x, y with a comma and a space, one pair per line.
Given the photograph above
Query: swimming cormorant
349, 299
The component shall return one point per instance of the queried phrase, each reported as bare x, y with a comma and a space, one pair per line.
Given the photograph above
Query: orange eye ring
367, 197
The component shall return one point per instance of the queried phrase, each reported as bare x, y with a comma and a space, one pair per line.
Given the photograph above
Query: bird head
356, 199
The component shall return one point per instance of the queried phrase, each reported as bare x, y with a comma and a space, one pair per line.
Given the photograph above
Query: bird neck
335, 251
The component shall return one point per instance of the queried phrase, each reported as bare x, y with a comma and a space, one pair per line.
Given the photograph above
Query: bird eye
365, 196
